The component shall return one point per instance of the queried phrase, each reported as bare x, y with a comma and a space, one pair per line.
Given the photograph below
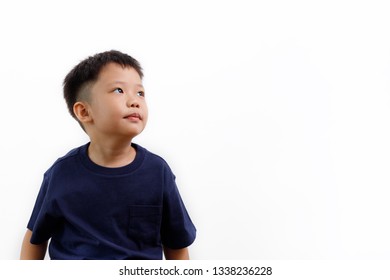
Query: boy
110, 198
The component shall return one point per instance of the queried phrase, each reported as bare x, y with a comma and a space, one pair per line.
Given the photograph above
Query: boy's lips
133, 116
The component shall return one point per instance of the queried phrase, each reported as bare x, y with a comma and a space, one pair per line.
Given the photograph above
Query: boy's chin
133, 134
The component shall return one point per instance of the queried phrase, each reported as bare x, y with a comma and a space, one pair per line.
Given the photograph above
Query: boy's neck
111, 154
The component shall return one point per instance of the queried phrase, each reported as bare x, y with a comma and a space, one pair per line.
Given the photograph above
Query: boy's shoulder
151, 157
69, 156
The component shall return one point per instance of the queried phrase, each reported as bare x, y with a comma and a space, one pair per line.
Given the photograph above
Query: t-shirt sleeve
177, 230
44, 217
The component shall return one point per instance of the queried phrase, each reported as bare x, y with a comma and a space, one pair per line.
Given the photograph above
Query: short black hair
88, 71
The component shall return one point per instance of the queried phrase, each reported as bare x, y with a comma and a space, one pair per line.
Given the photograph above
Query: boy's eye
118, 90
141, 93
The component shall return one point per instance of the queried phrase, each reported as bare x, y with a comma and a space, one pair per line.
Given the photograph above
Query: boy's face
117, 104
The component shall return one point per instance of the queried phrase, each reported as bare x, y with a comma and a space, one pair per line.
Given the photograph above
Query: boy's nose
132, 102
134, 105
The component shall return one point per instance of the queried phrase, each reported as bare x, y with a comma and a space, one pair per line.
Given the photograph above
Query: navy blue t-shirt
94, 212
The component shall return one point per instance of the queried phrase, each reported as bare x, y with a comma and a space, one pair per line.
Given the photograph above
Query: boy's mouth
133, 116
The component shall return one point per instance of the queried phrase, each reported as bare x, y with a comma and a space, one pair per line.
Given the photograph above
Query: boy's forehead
116, 73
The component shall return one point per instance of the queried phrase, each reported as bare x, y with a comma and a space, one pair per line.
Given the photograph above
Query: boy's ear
80, 109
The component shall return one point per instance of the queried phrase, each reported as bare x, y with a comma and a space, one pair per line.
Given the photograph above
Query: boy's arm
176, 254
30, 251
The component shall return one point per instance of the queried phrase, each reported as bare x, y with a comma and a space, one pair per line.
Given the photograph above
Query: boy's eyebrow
124, 83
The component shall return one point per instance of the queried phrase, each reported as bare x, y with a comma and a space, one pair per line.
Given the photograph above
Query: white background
274, 116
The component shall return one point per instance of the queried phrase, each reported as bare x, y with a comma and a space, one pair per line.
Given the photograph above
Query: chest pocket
144, 225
